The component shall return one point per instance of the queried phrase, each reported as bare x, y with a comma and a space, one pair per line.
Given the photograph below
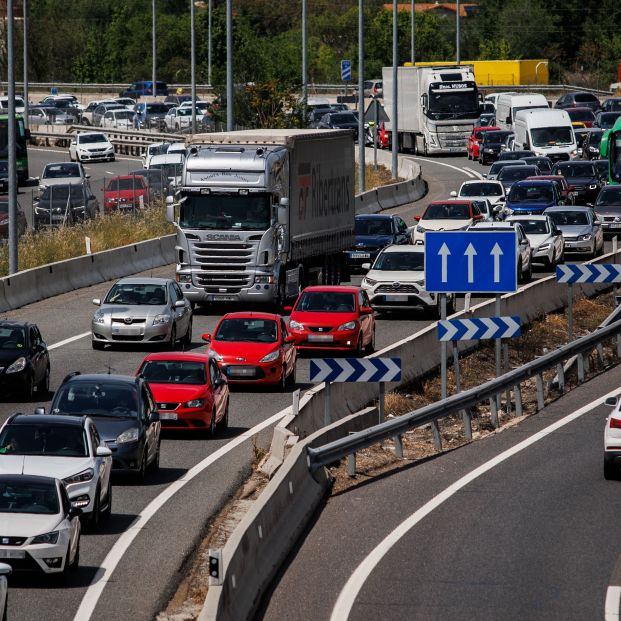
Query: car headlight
50, 538
544, 247
294, 325
81, 477
369, 281
130, 435
420, 229
161, 319
593, 186
585, 237
273, 355
489, 150
17, 366
350, 325
195, 403
99, 317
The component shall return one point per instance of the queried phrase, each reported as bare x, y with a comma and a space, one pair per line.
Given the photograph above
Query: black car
544, 164
590, 146
24, 359
605, 120
339, 120
125, 413
510, 174
602, 168
583, 177
65, 204
490, 146
515, 155
581, 134
612, 104
608, 209
374, 232
578, 100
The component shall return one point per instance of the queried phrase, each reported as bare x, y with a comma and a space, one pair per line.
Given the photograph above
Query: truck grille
223, 266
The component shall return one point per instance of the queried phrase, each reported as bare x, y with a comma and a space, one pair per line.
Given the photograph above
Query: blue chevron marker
479, 328
588, 272
355, 370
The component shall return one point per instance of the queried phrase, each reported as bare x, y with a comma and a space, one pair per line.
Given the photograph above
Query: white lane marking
613, 602
474, 172
114, 556
108, 172
64, 342
463, 171
347, 597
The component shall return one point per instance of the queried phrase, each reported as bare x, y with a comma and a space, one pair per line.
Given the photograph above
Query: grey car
582, 232
142, 310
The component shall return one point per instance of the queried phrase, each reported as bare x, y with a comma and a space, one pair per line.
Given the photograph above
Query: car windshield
49, 440
447, 211
543, 136
586, 98
516, 173
535, 227
136, 294
4, 166
248, 330
373, 226
58, 171
130, 183
184, 111
575, 169
495, 137
123, 114
531, 194
19, 496
607, 120
481, 189
602, 167
226, 212
158, 149
91, 138
174, 372
542, 163
595, 139
345, 117
326, 302
96, 398
576, 114
609, 196
156, 108
400, 262
61, 193
568, 218
12, 338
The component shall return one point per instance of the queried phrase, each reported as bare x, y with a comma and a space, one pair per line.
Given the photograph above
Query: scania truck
437, 107
260, 213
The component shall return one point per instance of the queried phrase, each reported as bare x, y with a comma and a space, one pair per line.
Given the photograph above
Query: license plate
396, 298
222, 298
168, 416
12, 554
320, 338
242, 371
126, 331
360, 255
616, 225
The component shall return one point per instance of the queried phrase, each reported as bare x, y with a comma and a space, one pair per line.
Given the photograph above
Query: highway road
519, 525
143, 546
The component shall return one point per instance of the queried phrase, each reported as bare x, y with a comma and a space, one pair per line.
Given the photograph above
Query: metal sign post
498, 347
570, 312
346, 73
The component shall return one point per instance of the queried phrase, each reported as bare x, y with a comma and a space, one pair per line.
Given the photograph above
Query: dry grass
375, 178
111, 231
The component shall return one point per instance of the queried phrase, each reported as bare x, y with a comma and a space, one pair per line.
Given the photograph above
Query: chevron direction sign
588, 272
476, 329
355, 370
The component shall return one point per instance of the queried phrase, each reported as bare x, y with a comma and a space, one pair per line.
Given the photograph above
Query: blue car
532, 197
374, 232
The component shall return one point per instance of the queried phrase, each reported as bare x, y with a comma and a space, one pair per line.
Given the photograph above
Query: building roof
465, 10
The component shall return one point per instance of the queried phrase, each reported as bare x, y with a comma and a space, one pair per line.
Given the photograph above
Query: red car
474, 141
565, 190
126, 192
254, 348
333, 317
581, 115
190, 390
22, 224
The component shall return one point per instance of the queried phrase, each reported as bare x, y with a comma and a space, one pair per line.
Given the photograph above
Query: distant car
373, 89
509, 175
90, 146
86, 117
474, 140
42, 529
178, 118
493, 191
585, 116
612, 440
396, 281
544, 164
100, 111
151, 114
578, 100
118, 119
170, 167
155, 148
65, 204
590, 146
490, 146
65, 447
532, 196
605, 120
602, 168
177, 100
339, 120
190, 390
124, 411
497, 166
515, 155
608, 209
254, 348
374, 232
583, 177
144, 88
455, 215
154, 179
612, 104
583, 234
22, 223
487, 119
546, 241
128, 102
20, 105
62, 173
126, 193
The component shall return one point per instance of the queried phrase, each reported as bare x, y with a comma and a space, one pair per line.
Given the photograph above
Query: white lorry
263, 212
546, 133
509, 104
437, 107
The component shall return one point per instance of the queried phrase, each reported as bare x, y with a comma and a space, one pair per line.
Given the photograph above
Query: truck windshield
226, 212
461, 103
543, 136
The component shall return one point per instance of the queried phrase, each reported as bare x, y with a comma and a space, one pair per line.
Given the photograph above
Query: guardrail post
493, 406
465, 416
570, 312
560, 373
437, 438
327, 414
540, 396
580, 368
619, 345
505, 355
351, 464
398, 447
587, 363
456, 367
600, 353
380, 405
517, 391
498, 347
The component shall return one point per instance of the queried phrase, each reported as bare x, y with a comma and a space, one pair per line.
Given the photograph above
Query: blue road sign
476, 329
593, 272
470, 261
346, 70
355, 370
53, 91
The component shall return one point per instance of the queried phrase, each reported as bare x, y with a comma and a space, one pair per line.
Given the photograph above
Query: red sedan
333, 317
127, 192
190, 390
474, 141
254, 348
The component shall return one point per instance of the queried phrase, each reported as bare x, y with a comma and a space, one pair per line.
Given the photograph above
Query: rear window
586, 97
581, 115
447, 211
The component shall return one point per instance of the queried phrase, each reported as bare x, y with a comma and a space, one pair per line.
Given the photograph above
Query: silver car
582, 232
142, 310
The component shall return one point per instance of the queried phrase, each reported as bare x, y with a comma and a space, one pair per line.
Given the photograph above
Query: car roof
534, 182
27, 478
473, 181
103, 378
569, 208
14, 323
374, 216
251, 315
491, 225
328, 288
91, 134
404, 248
178, 356
517, 216
458, 201
137, 280
47, 420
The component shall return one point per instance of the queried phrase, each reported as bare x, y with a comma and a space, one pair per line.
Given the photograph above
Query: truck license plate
222, 298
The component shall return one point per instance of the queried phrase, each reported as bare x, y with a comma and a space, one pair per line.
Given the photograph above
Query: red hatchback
254, 348
190, 390
127, 192
474, 141
333, 317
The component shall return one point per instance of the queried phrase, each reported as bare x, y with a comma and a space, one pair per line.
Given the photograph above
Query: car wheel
107, 512
93, 522
371, 345
291, 378
155, 464
173, 338
610, 472
187, 339
71, 158
141, 474
76, 558
224, 423
97, 345
520, 275
359, 348
44, 385
29, 388
212, 425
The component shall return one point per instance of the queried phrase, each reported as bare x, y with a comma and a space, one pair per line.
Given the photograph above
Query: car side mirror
103, 451
154, 417
597, 223
40, 411
179, 303
5, 570
365, 310
219, 381
206, 337
611, 402
74, 512
366, 266
97, 301
287, 309
87, 176
484, 175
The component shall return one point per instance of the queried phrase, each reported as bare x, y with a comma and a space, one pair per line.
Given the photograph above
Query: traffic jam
286, 282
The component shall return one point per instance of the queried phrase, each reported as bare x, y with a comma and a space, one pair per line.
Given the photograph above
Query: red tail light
615, 423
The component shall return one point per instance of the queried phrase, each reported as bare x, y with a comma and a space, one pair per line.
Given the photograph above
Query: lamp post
13, 262
457, 42
153, 66
26, 107
361, 134
193, 64
413, 37
304, 55
209, 44
394, 136
229, 66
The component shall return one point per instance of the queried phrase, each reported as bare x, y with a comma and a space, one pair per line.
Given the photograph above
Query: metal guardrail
462, 402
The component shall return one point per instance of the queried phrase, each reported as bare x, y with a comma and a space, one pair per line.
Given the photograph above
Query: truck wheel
425, 149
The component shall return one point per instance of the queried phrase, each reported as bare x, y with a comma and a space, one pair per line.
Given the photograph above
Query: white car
546, 241
68, 448
396, 281
5, 570
40, 528
612, 440
87, 113
91, 146
177, 147
20, 105
178, 118
155, 148
118, 119
450, 215
128, 102
493, 191
62, 173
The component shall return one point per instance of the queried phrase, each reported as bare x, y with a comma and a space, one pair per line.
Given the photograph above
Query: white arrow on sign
444, 252
470, 253
496, 252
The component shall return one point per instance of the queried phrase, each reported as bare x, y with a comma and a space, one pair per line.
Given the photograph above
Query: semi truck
261, 213
437, 107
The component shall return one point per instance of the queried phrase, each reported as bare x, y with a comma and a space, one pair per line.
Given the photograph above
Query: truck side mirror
283, 208
170, 209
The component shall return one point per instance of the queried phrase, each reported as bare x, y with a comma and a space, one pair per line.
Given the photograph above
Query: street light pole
13, 262
209, 44
26, 107
193, 64
229, 66
153, 66
361, 133
304, 55
394, 136
413, 37
457, 42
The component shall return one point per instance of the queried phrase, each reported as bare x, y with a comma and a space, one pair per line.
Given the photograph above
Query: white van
546, 133
509, 104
